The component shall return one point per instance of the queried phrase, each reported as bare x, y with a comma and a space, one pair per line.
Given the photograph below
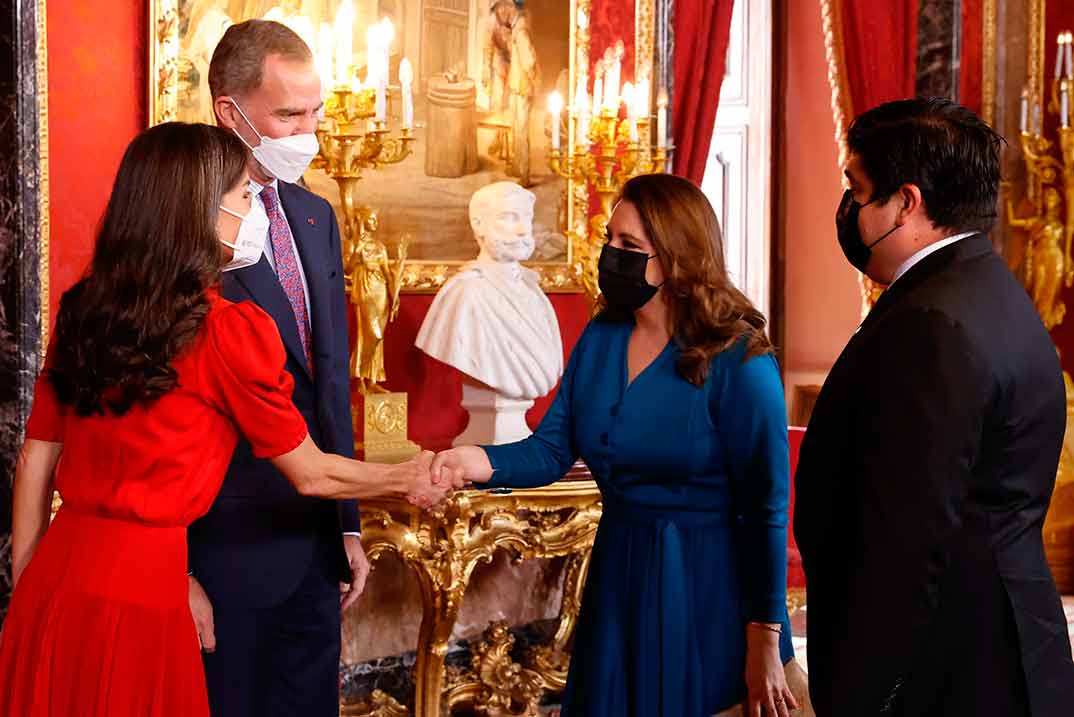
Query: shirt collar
926, 251
256, 187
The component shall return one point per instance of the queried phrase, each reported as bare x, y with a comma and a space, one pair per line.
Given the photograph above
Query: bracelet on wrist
778, 629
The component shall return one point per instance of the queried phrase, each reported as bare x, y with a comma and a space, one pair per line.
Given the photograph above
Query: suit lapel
264, 288
312, 242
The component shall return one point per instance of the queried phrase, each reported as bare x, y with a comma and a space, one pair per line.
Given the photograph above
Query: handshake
430, 478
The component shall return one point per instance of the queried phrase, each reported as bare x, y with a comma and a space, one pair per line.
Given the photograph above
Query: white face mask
250, 241
285, 158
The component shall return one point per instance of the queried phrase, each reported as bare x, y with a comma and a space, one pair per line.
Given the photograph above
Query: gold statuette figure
1046, 264
375, 284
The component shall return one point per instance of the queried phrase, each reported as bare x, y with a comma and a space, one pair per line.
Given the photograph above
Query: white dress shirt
256, 189
922, 253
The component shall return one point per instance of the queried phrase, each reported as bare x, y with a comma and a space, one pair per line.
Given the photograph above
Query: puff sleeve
244, 378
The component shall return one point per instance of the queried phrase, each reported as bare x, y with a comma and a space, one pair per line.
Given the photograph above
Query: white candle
344, 42
381, 104
372, 54
1023, 122
611, 81
662, 120
1064, 108
598, 89
581, 127
641, 99
632, 117
387, 34
555, 110
1059, 55
406, 80
324, 55
1070, 49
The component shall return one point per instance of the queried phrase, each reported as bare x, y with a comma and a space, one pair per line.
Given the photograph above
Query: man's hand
424, 491
202, 611
359, 567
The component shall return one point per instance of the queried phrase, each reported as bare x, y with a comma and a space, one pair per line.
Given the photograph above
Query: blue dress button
615, 410
604, 438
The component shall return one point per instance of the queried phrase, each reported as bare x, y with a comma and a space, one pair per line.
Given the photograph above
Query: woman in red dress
149, 380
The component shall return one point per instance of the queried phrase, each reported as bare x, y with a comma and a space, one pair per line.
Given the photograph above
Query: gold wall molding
163, 56
43, 205
989, 21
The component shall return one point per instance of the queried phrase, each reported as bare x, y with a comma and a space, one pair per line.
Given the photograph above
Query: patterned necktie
287, 268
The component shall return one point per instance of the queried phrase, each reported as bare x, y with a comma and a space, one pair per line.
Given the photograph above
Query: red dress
100, 624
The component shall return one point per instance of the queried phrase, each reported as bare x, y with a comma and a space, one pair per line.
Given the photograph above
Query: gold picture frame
426, 274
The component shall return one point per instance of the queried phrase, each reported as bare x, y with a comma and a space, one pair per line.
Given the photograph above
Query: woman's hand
201, 609
769, 695
468, 464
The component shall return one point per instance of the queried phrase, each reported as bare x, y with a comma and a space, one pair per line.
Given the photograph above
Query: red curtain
702, 31
971, 63
872, 59
879, 42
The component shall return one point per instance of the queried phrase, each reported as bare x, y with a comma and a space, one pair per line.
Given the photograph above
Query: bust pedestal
494, 419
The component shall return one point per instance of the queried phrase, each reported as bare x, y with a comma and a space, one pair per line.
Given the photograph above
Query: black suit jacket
259, 538
921, 490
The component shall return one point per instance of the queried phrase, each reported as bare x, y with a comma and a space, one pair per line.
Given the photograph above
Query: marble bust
493, 323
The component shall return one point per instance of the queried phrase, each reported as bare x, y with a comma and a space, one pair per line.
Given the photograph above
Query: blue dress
692, 542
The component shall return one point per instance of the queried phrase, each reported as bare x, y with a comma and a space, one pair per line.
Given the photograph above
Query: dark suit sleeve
341, 380
915, 440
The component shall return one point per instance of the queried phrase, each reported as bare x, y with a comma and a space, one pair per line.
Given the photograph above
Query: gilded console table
443, 547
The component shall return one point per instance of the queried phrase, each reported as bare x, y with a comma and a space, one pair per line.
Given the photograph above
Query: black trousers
280, 661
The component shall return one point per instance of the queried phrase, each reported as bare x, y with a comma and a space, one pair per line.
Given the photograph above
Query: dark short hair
941, 147
239, 57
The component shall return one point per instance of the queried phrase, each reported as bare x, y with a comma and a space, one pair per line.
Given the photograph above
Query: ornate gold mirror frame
428, 275
42, 173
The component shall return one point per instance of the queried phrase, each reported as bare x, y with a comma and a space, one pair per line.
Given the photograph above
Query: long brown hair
142, 299
707, 313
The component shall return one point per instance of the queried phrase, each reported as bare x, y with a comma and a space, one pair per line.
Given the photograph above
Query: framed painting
479, 109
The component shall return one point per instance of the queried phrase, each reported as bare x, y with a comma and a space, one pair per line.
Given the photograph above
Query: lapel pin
309, 220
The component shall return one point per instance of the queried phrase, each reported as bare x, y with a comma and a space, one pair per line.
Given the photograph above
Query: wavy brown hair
707, 313
143, 297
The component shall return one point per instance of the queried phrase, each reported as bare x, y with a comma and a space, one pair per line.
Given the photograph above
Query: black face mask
854, 247
621, 276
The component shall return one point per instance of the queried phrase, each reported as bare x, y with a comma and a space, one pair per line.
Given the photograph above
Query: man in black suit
267, 564
931, 455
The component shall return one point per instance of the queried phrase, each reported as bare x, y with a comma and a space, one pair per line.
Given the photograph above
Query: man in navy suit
267, 564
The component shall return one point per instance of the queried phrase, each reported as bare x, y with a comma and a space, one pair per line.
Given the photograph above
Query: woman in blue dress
673, 398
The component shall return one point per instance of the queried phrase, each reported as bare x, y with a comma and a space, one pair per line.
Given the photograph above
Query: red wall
97, 57
97, 103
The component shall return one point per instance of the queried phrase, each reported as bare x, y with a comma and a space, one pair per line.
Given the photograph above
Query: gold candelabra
353, 138
607, 155
1045, 214
351, 142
